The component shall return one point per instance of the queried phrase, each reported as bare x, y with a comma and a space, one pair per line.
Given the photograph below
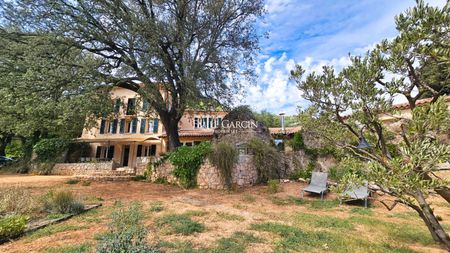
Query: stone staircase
117, 174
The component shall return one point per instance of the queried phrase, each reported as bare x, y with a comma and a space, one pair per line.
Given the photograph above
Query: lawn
246, 220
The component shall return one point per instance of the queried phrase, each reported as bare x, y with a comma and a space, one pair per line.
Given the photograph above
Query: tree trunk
170, 123
4, 141
435, 228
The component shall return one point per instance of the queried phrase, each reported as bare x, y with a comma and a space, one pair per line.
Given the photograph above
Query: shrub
187, 161
302, 173
15, 149
297, 141
179, 224
49, 149
72, 181
156, 206
273, 186
12, 226
16, 200
61, 202
224, 157
126, 232
267, 159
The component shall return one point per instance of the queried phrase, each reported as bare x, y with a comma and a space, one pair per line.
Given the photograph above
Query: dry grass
250, 220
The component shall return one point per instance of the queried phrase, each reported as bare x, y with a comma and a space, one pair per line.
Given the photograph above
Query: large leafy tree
47, 89
405, 157
172, 52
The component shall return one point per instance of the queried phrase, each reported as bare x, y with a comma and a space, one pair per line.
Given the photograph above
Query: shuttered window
155, 126
142, 126
102, 126
122, 126
134, 125
113, 129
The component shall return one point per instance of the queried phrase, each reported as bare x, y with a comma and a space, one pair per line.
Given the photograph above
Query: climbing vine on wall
187, 161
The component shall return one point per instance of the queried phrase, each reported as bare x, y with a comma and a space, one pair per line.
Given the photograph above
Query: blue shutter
144, 105
134, 126
155, 126
102, 126
142, 126
122, 126
114, 126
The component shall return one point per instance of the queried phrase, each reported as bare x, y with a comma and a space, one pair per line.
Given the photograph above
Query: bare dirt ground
214, 209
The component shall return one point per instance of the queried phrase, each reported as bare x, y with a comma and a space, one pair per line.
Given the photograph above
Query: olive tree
406, 152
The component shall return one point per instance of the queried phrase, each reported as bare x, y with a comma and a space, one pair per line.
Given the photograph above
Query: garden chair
318, 184
357, 192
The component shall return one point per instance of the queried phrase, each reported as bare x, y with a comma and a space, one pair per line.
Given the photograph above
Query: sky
314, 33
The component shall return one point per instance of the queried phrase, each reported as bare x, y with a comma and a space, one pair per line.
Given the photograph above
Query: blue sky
314, 33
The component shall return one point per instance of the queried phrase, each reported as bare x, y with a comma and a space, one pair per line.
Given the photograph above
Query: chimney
282, 121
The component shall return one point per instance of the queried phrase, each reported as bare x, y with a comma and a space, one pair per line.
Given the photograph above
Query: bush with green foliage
304, 173
273, 186
15, 149
224, 157
297, 141
61, 202
12, 226
266, 158
126, 232
49, 149
187, 161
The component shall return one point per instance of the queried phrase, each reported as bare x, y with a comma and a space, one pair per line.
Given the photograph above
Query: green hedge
49, 149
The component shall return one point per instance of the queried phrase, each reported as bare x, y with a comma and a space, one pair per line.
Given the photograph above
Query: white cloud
275, 92
314, 33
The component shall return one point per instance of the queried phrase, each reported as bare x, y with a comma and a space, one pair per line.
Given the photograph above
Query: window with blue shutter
134, 125
122, 126
155, 126
114, 126
144, 105
142, 126
102, 126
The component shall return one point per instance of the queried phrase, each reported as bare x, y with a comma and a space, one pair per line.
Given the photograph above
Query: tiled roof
287, 130
419, 102
193, 133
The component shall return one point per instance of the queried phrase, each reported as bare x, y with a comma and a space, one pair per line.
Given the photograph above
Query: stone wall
85, 169
208, 177
300, 160
164, 171
141, 164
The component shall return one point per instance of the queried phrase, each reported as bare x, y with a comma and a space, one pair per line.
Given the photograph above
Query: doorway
126, 155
